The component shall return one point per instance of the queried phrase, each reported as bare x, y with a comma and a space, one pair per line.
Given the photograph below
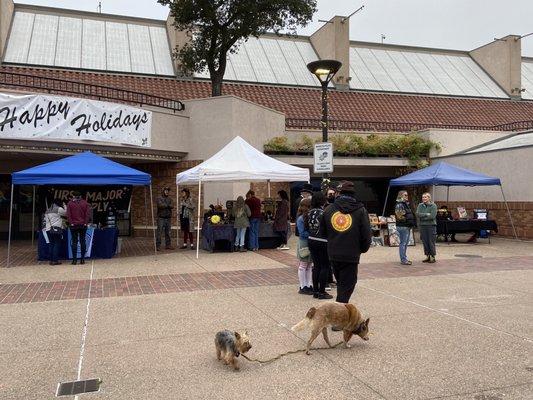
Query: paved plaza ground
458, 329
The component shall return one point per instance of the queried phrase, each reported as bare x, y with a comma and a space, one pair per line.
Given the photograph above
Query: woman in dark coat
281, 219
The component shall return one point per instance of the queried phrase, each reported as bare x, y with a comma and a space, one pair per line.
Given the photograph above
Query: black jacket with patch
346, 226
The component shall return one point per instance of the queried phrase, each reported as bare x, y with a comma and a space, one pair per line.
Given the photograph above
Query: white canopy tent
239, 161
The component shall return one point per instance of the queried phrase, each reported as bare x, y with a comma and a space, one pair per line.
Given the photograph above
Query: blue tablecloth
104, 245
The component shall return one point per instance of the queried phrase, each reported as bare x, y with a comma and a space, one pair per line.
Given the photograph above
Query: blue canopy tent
85, 168
444, 174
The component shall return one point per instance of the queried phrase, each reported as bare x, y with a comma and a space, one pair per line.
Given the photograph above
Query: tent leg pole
385, 204
268, 186
177, 216
509, 213
153, 223
446, 222
198, 220
433, 193
145, 212
10, 226
33, 218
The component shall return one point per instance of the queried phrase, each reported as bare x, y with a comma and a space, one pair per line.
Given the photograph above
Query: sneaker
182, 247
432, 260
426, 260
407, 262
74, 262
284, 247
192, 247
324, 296
302, 290
169, 248
328, 288
243, 249
82, 261
315, 295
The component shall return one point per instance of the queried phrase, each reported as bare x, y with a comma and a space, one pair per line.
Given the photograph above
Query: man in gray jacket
164, 215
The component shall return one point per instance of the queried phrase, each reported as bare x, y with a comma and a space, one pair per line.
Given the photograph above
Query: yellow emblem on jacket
341, 222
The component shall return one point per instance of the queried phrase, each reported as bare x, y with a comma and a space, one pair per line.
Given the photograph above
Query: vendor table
104, 245
222, 237
268, 239
445, 227
223, 234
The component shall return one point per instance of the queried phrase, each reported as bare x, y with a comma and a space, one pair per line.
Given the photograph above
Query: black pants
346, 275
78, 232
319, 254
283, 235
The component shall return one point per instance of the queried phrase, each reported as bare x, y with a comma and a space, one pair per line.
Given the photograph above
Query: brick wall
261, 189
521, 211
163, 175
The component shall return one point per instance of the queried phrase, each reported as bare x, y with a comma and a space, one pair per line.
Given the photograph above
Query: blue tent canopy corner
444, 174
84, 169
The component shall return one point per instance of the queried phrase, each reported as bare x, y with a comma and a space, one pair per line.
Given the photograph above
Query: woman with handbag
54, 229
305, 264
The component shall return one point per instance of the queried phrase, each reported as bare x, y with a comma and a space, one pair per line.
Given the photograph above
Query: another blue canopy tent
85, 168
444, 174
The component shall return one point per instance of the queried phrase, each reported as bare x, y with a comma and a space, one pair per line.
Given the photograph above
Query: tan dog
230, 345
344, 316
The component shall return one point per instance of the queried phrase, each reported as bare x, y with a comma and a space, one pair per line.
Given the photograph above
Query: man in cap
346, 226
164, 215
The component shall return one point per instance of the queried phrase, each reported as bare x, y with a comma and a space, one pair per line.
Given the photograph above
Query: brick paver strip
34, 292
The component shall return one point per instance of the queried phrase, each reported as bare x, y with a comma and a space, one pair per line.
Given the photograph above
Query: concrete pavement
446, 335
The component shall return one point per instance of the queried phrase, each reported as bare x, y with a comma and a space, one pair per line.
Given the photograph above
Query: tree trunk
216, 84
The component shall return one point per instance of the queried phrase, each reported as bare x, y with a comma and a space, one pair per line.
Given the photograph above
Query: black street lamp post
324, 70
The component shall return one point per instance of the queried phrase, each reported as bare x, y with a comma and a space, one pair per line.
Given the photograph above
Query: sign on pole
323, 157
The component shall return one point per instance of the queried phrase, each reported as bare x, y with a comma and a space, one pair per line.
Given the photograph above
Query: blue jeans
253, 239
403, 232
55, 245
239, 237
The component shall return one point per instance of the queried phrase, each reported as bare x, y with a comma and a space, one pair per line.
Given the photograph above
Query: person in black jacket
405, 220
346, 227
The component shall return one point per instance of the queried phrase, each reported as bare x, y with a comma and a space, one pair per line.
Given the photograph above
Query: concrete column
6, 15
502, 60
332, 41
177, 39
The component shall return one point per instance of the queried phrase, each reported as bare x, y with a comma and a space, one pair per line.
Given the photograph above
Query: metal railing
62, 86
382, 126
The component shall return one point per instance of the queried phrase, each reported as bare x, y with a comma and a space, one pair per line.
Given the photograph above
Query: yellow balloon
215, 219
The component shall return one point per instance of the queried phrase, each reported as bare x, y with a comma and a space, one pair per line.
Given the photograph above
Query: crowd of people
334, 230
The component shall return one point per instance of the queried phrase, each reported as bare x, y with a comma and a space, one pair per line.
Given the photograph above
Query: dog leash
287, 353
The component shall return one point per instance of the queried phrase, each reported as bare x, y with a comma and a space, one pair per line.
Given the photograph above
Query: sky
447, 24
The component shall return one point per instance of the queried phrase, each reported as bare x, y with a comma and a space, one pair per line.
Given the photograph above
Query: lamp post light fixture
324, 70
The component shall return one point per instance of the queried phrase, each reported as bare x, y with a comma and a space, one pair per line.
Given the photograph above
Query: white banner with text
68, 118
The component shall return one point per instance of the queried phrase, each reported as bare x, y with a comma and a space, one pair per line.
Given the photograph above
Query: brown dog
344, 316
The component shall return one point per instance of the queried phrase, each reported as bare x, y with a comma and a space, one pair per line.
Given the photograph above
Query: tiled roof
369, 110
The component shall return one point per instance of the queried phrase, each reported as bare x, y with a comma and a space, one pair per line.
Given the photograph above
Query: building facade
457, 99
